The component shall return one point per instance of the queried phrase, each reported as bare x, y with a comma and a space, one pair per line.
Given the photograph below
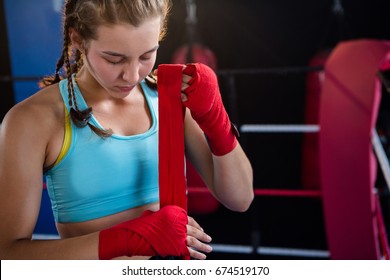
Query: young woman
92, 131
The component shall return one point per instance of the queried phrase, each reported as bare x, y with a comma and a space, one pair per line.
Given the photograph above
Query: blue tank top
99, 177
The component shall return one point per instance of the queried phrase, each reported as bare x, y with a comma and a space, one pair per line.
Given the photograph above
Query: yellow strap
67, 138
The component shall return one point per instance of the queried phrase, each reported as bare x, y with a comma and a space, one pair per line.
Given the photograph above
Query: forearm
83, 247
229, 177
233, 180
141, 236
228, 173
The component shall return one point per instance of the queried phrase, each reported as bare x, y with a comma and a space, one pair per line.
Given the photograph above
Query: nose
131, 73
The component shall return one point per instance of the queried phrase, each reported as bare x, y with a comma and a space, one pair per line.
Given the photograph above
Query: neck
89, 87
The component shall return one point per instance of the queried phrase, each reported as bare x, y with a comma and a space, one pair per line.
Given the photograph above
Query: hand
163, 233
184, 85
196, 239
200, 89
200, 94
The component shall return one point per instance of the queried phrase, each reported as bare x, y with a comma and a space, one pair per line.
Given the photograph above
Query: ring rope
283, 128
381, 156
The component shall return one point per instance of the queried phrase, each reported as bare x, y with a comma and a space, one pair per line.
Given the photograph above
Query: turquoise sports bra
95, 177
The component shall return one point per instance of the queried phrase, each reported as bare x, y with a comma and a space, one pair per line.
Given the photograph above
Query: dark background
257, 34
268, 34
273, 34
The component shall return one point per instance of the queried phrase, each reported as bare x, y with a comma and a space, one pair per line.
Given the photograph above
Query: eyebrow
111, 53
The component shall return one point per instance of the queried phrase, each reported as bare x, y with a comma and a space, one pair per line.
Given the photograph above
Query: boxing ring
349, 152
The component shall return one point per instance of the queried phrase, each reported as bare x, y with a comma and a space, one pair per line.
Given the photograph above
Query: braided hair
85, 16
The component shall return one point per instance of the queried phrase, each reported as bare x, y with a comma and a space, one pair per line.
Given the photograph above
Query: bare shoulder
37, 115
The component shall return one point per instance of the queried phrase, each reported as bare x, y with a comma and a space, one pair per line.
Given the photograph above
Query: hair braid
80, 118
78, 62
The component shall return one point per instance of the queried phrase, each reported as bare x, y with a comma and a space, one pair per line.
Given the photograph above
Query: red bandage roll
171, 136
171, 165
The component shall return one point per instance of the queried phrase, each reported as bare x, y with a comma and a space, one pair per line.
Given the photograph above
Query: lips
125, 88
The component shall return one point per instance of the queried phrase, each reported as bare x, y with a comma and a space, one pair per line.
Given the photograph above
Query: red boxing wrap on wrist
205, 103
154, 233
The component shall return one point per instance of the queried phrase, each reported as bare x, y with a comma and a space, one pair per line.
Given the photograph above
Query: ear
75, 38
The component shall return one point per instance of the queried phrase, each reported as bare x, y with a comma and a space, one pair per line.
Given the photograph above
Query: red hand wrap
154, 233
205, 103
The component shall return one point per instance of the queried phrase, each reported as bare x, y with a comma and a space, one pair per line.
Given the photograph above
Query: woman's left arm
211, 143
229, 177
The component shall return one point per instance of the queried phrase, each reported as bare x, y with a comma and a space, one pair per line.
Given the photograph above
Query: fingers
192, 222
184, 82
198, 234
184, 97
197, 248
197, 239
186, 78
184, 86
196, 255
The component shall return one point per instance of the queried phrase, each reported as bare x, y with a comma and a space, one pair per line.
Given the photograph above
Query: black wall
6, 92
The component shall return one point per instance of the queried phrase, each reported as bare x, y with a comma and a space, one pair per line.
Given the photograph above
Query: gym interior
307, 83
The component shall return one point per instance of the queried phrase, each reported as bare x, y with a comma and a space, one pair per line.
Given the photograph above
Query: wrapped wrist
154, 233
223, 144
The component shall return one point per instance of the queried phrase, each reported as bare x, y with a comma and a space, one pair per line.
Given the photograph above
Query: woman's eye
144, 58
114, 62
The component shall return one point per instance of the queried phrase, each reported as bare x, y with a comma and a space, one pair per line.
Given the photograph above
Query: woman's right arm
24, 135
24, 138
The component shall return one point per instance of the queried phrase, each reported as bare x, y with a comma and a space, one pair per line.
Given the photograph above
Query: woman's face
123, 55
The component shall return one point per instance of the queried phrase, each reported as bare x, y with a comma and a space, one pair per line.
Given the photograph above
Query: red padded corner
349, 106
310, 152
